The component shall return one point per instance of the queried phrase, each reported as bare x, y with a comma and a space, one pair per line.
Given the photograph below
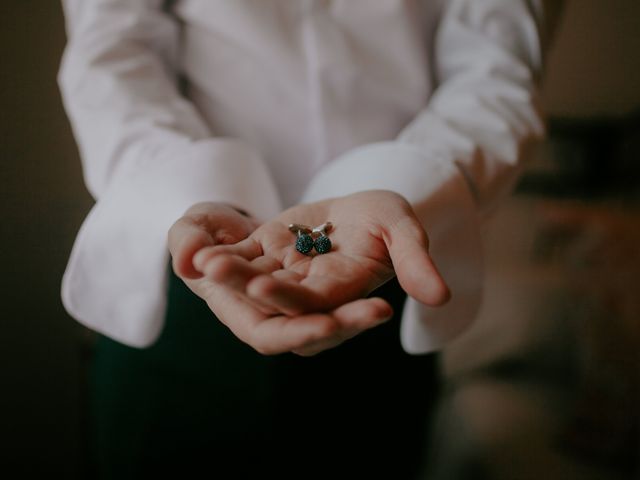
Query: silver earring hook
299, 229
323, 229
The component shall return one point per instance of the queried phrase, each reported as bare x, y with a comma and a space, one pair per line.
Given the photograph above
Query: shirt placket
313, 13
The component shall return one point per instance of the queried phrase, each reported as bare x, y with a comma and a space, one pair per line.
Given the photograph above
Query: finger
204, 225
235, 272
408, 247
248, 249
273, 266
363, 314
184, 239
285, 334
286, 275
231, 271
293, 293
289, 297
268, 336
353, 318
267, 264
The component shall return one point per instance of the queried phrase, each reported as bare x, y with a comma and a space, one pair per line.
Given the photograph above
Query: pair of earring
306, 242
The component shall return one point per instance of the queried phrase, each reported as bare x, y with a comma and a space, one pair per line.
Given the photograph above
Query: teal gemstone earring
304, 242
322, 244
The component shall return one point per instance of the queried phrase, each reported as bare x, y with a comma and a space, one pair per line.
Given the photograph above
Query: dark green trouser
200, 400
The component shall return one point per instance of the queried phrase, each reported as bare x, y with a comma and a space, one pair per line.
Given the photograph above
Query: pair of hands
278, 300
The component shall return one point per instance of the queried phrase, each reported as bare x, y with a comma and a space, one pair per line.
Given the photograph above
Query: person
209, 127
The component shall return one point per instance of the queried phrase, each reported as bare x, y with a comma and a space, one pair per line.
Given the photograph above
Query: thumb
408, 247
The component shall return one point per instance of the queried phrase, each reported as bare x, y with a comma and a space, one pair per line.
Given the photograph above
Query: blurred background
544, 385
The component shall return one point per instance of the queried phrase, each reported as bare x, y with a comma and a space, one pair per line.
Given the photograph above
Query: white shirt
286, 101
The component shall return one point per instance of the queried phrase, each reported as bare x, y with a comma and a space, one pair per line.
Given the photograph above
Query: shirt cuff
443, 202
115, 280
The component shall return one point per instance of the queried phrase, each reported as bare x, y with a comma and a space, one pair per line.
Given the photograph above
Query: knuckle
328, 329
219, 266
410, 226
206, 258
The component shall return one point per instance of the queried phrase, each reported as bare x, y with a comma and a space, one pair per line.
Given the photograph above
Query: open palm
278, 299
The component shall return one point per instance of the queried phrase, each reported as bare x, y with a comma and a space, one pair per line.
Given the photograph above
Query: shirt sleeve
147, 156
461, 154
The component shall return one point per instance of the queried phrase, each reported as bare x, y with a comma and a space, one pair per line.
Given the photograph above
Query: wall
42, 201
594, 67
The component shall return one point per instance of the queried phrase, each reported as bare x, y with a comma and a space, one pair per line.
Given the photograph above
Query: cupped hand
277, 299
